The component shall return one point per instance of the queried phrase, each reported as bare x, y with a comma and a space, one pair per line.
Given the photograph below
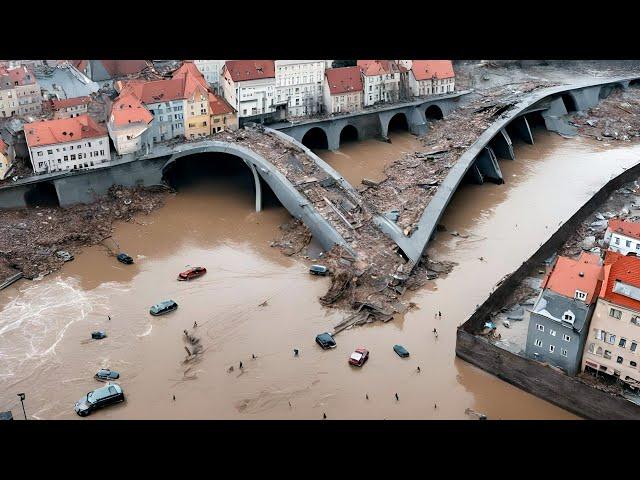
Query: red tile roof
630, 229
243, 70
70, 102
428, 69
49, 132
4, 148
156, 91
625, 269
219, 105
128, 109
79, 64
20, 74
344, 80
188, 68
565, 277
378, 67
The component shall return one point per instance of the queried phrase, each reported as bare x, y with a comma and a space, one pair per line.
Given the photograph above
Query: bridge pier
521, 128
502, 146
553, 118
417, 121
475, 175
258, 185
586, 98
487, 164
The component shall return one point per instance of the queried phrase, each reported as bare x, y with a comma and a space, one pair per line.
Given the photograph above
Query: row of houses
143, 113
295, 88
587, 316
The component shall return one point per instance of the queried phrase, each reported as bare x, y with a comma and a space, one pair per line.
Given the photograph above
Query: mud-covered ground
30, 237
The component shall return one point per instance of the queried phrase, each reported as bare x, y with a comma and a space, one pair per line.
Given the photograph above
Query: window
568, 316
538, 342
599, 351
633, 347
607, 354
600, 335
592, 348
633, 364
635, 320
540, 327
552, 348
39, 154
616, 241
615, 313
611, 339
564, 352
566, 338
66, 158
619, 359
50, 152
73, 157
552, 332
623, 342
581, 295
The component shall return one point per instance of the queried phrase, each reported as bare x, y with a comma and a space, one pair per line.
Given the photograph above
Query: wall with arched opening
315, 139
569, 102
349, 134
433, 112
398, 122
42, 194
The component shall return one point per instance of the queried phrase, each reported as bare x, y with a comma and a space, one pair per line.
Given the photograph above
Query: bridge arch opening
433, 112
349, 134
315, 139
224, 175
635, 83
398, 122
569, 102
607, 90
42, 194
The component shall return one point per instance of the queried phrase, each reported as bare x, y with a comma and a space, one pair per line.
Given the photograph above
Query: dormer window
580, 295
568, 317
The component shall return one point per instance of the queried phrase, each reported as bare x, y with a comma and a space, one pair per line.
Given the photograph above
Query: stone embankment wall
534, 377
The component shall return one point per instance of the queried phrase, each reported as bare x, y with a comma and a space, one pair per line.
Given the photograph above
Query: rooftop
378, 67
568, 275
428, 69
70, 102
219, 105
630, 229
128, 109
621, 272
344, 80
50, 132
243, 70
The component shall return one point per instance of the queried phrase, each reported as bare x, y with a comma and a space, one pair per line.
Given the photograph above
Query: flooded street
45, 325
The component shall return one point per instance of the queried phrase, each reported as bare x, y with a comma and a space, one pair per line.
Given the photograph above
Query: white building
70, 107
623, 237
129, 125
342, 90
381, 80
299, 86
211, 70
67, 144
249, 86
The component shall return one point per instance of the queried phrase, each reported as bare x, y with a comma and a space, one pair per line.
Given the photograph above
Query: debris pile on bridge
30, 237
616, 117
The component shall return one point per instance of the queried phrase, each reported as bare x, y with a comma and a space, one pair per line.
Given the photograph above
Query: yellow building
5, 160
197, 116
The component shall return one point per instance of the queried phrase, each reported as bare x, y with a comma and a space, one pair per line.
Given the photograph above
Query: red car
358, 357
192, 273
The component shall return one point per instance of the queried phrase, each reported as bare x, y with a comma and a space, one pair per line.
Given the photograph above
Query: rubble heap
617, 117
30, 237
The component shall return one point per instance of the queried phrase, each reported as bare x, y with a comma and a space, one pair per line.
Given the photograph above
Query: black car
106, 374
99, 335
163, 307
325, 340
124, 258
101, 397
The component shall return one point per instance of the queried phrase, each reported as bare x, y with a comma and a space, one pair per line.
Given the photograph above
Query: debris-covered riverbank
30, 237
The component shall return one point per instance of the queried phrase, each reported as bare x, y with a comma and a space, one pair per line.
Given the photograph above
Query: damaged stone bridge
375, 122
479, 163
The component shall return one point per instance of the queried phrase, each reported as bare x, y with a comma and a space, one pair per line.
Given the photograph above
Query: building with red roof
343, 89
623, 237
70, 107
612, 345
429, 77
249, 86
67, 144
6, 159
559, 320
381, 81
20, 93
129, 124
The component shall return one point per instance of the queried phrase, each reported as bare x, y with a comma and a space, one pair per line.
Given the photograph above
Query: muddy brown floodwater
45, 325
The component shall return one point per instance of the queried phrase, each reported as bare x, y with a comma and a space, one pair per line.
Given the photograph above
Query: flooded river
45, 325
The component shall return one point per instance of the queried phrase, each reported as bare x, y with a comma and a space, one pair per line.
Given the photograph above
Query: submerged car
100, 397
359, 357
64, 255
192, 273
401, 351
124, 258
325, 340
163, 307
99, 335
106, 374
318, 270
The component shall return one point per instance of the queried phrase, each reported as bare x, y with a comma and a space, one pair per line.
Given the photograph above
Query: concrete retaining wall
531, 375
